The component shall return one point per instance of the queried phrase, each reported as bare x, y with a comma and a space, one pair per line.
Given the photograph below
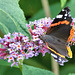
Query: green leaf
63, 2
29, 70
5, 63
40, 61
4, 28
12, 17
67, 69
71, 74
6, 70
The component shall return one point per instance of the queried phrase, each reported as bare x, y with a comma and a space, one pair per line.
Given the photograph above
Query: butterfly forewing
61, 30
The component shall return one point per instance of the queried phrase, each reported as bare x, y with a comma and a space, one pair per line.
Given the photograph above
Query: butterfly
59, 35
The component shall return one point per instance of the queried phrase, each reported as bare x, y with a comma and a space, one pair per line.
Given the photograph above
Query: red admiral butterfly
58, 36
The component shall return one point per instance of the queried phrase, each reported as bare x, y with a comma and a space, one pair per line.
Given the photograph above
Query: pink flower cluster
15, 47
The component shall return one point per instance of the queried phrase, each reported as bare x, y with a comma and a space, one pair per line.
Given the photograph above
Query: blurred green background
33, 10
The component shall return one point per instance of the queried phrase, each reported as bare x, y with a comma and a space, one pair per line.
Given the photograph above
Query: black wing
61, 30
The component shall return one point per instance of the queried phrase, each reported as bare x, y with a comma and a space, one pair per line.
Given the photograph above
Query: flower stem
45, 5
20, 66
55, 66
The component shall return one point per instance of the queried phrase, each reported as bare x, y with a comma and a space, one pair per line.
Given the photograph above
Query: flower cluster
15, 47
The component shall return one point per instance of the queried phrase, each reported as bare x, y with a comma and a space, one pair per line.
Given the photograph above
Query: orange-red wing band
71, 34
55, 24
60, 22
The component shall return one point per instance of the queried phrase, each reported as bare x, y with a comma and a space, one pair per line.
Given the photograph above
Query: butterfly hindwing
57, 45
59, 59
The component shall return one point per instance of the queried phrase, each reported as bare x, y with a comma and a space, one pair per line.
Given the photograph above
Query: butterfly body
59, 35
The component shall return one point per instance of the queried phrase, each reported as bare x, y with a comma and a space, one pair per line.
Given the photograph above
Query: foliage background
13, 19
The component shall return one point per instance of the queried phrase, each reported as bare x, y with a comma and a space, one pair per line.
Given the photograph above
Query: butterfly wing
57, 48
57, 36
60, 26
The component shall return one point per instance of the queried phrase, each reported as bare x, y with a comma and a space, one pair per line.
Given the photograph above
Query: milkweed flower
15, 47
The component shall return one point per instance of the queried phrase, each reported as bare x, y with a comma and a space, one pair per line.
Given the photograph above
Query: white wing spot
69, 15
68, 12
59, 16
65, 14
64, 17
53, 55
60, 59
63, 10
63, 61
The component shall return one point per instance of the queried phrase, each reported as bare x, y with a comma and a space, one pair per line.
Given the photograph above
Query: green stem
55, 66
20, 66
45, 5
